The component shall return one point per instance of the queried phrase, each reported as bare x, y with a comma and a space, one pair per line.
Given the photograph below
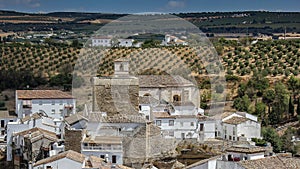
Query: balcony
102, 147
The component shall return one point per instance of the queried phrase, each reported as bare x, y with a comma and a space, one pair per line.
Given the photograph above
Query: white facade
125, 42
55, 108
238, 126
102, 41
54, 103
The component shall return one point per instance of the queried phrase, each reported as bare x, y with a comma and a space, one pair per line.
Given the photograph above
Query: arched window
176, 98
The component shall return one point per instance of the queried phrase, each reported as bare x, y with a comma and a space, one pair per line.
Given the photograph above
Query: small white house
235, 126
54, 103
244, 152
173, 40
125, 42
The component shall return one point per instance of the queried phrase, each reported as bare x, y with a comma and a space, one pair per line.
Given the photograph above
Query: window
61, 111
192, 123
52, 111
40, 102
171, 133
2, 123
60, 102
233, 131
229, 137
147, 117
102, 156
183, 136
176, 98
233, 138
114, 159
201, 127
11, 120
171, 122
158, 122
53, 102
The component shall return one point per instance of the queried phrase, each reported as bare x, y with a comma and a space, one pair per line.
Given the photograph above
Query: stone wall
73, 140
116, 96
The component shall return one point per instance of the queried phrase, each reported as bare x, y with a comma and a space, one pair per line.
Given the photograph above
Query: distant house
5, 117
105, 41
54, 103
173, 40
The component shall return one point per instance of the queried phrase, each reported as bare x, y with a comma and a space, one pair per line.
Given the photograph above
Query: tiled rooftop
67, 154
246, 149
43, 94
7, 114
74, 118
163, 81
274, 162
103, 140
236, 120
35, 133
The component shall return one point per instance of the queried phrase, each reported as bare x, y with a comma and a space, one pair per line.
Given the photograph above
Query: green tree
281, 101
260, 110
270, 135
242, 103
286, 139
291, 107
294, 85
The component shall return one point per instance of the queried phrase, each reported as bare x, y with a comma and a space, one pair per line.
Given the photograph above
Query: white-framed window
192, 123
53, 111
158, 122
61, 111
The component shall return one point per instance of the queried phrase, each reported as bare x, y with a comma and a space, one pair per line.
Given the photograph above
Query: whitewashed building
54, 103
35, 120
237, 126
5, 117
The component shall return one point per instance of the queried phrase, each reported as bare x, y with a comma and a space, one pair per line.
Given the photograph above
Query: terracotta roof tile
74, 118
35, 133
7, 114
246, 149
163, 81
103, 140
67, 154
236, 120
43, 94
273, 162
